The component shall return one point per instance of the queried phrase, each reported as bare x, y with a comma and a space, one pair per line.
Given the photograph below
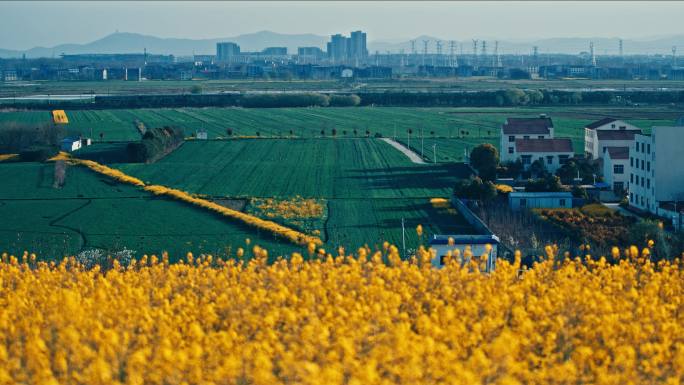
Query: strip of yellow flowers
4, 157
283, 231
341, 320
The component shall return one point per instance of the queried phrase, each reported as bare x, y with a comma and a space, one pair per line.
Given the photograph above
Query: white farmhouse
552, 152
657, 170
616, 168
592, 146
522, 128
71, 143
535, 200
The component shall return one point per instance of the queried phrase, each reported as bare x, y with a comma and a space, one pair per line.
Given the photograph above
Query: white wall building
70, 144
534, 200
476, 243
522, 128
657, 169
616, 168
592, 148
552, 152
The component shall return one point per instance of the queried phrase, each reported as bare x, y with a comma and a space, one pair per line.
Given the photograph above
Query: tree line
492, 98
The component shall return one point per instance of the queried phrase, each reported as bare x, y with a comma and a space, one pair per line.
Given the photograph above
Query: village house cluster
646, 169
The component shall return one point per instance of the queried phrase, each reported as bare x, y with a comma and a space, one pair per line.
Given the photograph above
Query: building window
631, 178
648, 149
612, 125
642, 164
637, 179
561, 202
636, 147
618, 186
526, 159
623, 127
631, 162
540, 137
510, 150
549, 159
563, 159
604, 149
526, 137
511, 138
648, 166
648, 183
618, 169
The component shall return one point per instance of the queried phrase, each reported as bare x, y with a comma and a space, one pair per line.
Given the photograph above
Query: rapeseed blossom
341, 320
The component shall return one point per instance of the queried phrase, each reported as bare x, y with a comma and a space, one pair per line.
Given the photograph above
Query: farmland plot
93, 212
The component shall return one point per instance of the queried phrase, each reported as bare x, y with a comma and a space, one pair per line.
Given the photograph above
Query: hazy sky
27, 24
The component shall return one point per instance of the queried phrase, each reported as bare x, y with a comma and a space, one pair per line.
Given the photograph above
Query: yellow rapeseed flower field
341, 320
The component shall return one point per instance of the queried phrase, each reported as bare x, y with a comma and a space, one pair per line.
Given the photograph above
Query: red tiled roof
616, 134
618, 152
543, 145
600, 123
532, 126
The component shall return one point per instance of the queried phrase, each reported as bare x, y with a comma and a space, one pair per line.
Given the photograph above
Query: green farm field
468, 123
94, 212
368, 186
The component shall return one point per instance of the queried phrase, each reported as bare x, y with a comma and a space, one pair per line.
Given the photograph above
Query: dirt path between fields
410, 154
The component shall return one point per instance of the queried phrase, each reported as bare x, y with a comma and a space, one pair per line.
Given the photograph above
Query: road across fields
410, 154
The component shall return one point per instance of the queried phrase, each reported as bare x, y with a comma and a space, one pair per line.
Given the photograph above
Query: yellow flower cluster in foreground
283, 231
341, 320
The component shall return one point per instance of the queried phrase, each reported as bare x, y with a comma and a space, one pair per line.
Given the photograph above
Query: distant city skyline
52, 23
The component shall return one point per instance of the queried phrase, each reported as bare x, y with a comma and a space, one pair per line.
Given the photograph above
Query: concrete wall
505, 144
610, 177
541, 202
551, 167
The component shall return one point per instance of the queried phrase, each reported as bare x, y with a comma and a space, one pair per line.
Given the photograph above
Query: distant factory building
227, 51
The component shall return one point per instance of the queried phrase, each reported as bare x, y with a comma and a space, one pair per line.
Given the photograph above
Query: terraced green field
472, 123
312, 168
93, 212
368, 185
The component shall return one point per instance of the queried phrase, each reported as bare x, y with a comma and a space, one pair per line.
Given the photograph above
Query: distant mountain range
124, 42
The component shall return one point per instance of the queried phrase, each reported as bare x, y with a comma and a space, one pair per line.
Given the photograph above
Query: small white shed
70, 143
535, 200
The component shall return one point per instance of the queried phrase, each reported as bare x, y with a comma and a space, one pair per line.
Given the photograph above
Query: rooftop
618, 152
464, 239
518, 126
600, 123
543, 145
617, 134
541, 194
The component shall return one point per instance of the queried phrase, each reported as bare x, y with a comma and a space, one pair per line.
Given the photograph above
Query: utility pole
403, 236
434, 153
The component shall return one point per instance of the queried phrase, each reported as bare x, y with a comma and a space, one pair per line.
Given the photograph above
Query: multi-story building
657, 170
227, 52
338, 48
598, 136
522, 128
358, 52
616, 168
274, 51
553, 153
